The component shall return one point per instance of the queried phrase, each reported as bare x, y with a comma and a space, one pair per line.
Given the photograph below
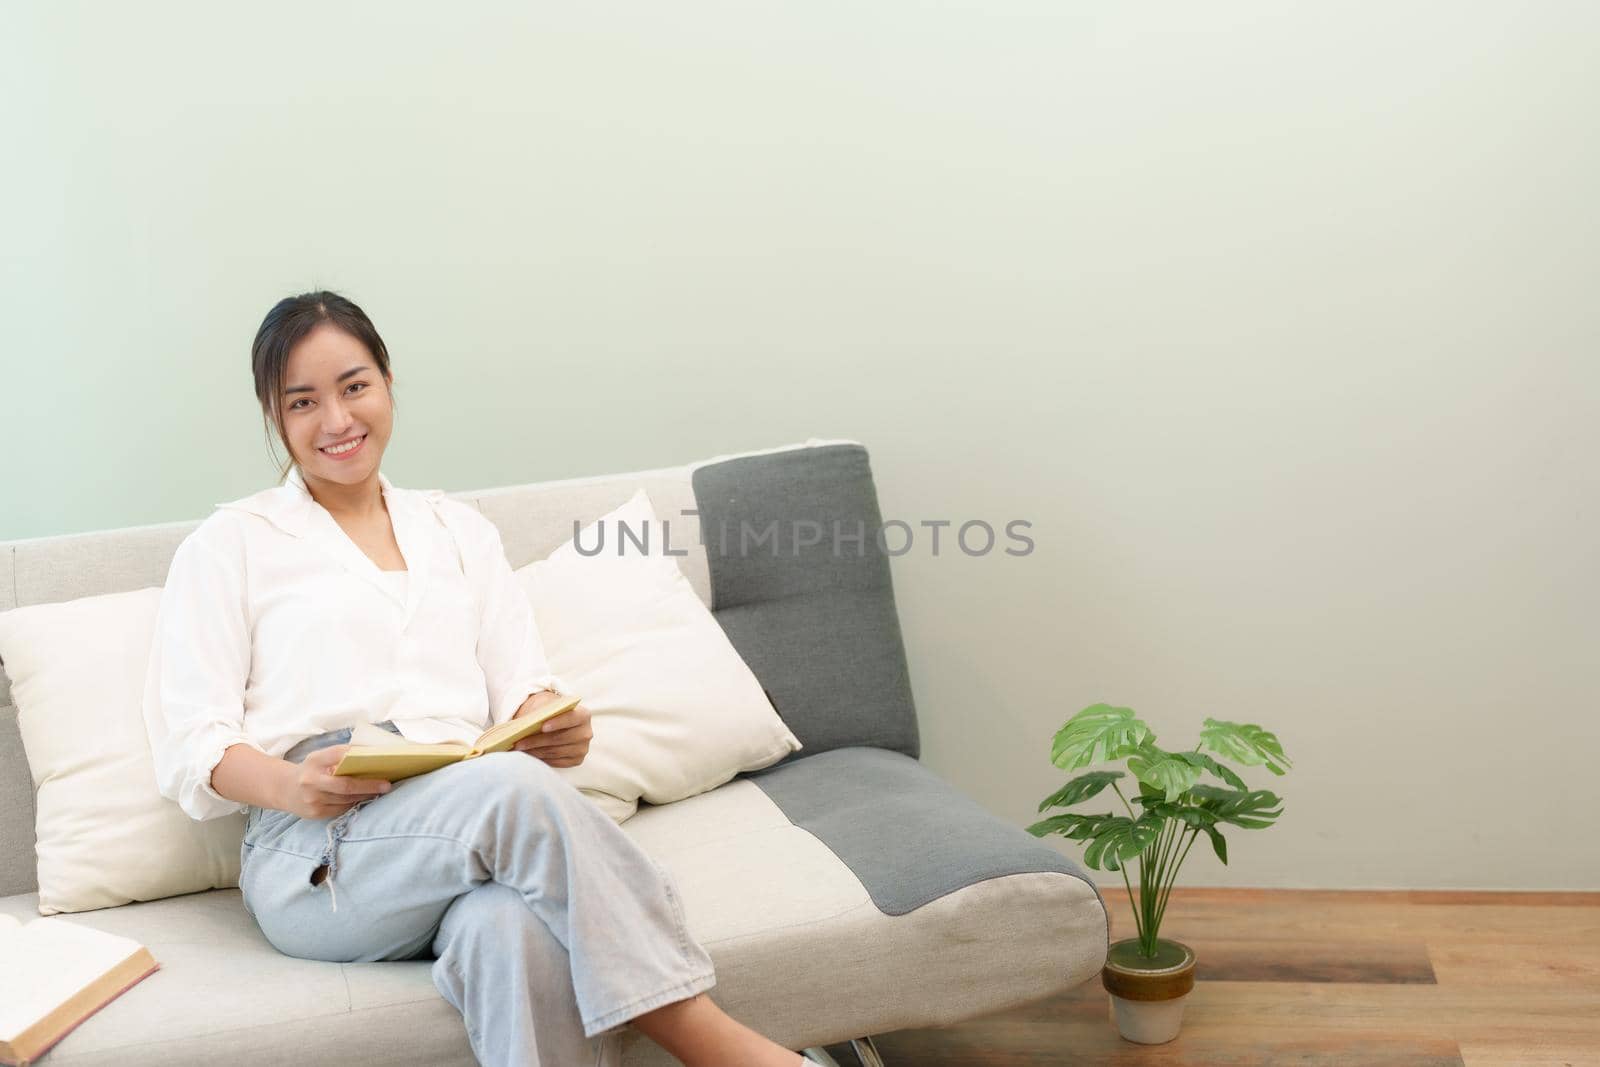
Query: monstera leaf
1113, 839
1219, 844
1251, 809
1250, 745
1120, 839
1080, 788
1072, 825
1205, 762
1197, 818
1166, 772
1098, 733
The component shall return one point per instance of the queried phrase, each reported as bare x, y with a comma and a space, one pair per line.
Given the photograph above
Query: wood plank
1492, 964
1442, 1010
1522, 899
1358, 920
1240, 960
1530, 1050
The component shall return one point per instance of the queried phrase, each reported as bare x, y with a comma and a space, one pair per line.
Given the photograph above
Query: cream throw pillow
675, 709
106, 835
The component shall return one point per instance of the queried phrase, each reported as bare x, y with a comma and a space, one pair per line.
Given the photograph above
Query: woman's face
335, 398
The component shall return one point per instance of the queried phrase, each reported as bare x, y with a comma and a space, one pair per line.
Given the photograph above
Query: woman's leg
394, 864
508, 976
499, 964
377, 882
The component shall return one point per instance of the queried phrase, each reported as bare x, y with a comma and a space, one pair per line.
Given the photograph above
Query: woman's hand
317, 793
562, 741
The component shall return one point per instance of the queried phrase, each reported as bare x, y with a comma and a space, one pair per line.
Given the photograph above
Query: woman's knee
497, 917
487, 906
515, 773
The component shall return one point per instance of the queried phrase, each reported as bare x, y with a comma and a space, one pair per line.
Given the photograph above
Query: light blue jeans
550, 928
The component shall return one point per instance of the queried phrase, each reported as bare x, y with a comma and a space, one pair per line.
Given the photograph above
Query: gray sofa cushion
907, 834
817, 625
18, 860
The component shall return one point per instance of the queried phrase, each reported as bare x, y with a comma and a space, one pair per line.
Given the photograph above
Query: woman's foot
701, 1034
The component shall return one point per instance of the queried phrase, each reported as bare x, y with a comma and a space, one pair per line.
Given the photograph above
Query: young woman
337, 599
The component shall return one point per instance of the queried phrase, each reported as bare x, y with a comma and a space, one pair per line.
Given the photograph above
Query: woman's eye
296, 405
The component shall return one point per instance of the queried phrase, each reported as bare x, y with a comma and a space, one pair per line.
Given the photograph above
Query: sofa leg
863, 1047
866, 1052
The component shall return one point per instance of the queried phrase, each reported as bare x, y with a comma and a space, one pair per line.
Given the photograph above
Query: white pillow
106, 835
675, 709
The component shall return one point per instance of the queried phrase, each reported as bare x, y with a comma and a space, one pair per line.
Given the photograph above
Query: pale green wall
1277, 321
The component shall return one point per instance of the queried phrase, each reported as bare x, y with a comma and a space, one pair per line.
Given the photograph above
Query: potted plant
1149, 977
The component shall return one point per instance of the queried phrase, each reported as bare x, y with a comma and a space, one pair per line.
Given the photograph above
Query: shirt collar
289, 506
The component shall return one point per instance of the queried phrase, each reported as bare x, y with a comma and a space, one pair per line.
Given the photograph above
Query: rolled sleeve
199, 664
510, 650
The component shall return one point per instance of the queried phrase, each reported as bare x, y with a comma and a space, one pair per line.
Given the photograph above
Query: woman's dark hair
285, 326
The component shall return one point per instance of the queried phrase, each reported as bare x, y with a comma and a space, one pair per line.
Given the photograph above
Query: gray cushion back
803, 592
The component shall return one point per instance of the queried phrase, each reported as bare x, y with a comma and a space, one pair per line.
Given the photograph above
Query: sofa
843, 892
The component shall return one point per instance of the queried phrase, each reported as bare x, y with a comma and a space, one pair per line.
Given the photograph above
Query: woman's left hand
562, 741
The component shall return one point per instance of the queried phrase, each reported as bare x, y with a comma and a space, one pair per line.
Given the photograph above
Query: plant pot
1147, 995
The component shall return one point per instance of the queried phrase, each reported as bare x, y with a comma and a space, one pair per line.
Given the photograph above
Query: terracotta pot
1147, 995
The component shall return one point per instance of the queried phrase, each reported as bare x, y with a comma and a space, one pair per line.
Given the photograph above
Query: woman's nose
334, 418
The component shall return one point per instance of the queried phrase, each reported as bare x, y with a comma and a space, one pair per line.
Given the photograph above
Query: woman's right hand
317, 793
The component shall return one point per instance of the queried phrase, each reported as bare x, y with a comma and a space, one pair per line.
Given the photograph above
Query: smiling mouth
344, 448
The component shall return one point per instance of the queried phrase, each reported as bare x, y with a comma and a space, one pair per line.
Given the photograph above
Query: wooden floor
1327, 977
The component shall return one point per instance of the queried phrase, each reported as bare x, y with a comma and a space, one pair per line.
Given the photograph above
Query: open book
54, 974
376, 753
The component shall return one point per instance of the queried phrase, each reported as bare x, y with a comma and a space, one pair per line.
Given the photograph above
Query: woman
338, 600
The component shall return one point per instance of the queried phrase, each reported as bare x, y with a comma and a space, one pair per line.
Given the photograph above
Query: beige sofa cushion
106, 836
675, 709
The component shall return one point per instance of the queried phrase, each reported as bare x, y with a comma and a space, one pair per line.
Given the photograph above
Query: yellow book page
397, 762
399, 759
502, 737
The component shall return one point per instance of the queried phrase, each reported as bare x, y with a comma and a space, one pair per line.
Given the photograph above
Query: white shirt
274, 626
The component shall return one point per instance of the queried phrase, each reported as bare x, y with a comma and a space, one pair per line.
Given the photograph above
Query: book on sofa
55, 973
376, 753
